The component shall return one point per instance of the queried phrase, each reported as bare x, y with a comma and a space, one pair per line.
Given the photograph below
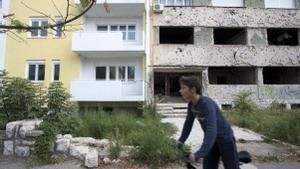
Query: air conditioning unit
158, 8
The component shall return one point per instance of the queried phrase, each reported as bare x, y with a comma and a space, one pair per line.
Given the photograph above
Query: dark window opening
41, 72
176, 35
281, 75
232, 75
100, 73
283, 37
31, 75
230, 36
295, 106
226, 106
56, 72
108, 109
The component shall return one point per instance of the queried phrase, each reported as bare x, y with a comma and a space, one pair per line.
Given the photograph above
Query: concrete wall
227, 17
257, 36
229, 55
254, 3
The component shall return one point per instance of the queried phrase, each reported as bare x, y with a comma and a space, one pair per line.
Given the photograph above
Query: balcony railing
106, 41
108, 91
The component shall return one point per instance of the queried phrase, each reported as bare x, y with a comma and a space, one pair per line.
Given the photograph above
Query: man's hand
192, 157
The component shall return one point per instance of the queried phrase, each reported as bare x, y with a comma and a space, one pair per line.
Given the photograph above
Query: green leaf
85, 3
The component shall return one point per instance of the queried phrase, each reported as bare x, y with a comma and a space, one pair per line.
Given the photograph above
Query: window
58, 32
130, 72
0, 4
56, 71
228, 3
122, 72
36, 71
176, 2
115, 72
231, 75
176, 35
128, 31
38, 33
278, 36
281, 75
230, 36
280, 4
101, 73
102, 28
112, 73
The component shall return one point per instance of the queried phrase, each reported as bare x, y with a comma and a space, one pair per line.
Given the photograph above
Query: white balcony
95, 44
117, 8
107, 91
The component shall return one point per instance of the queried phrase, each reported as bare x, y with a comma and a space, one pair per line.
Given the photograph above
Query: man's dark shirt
215, 126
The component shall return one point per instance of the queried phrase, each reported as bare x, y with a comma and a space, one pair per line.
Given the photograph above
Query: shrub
60, 119
155, 147
149, 134
274, 122
21, 99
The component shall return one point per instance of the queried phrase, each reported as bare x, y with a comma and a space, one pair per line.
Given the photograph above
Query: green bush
21, 99
149, 134
274, 122
155, 147
60, 119
3, 122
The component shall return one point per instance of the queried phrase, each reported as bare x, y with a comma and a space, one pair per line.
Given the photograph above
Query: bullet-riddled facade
232, 46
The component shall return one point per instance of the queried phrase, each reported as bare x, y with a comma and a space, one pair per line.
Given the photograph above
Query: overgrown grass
148, 134
274, 122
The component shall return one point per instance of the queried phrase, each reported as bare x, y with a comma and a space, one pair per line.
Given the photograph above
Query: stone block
91, 159
78, 151
22, 151
8, 148
62, 145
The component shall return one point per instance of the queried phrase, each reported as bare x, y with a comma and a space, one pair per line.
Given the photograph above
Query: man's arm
211, 130
187, 127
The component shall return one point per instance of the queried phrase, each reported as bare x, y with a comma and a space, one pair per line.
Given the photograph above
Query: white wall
88, 66
3, 11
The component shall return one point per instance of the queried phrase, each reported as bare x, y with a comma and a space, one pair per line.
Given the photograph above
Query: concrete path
196, 136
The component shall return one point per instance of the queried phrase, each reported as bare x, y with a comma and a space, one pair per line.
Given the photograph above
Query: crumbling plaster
228, 17
261, 94
226, 55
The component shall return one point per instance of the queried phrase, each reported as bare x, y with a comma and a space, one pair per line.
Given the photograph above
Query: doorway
166, 85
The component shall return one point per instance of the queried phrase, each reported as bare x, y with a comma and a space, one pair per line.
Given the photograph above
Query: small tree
60, 119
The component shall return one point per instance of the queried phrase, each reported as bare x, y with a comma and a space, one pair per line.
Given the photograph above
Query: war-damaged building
231, 45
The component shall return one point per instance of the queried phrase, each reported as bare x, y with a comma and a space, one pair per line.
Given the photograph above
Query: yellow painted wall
47, 49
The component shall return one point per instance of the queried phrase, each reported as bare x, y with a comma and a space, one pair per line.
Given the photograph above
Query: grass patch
273, 122
148, 134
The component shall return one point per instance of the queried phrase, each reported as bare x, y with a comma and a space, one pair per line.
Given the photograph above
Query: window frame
36, 73
106, 71
58, 19
175, 2
54, 63
219, 3
279, 4
118, 29
117, 73
39, 32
